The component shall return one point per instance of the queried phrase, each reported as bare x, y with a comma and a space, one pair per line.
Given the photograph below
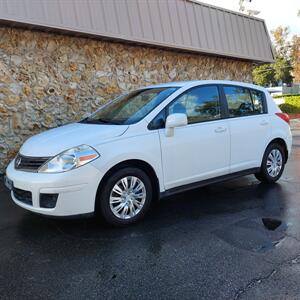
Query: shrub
286, 95
291, 105
289, 109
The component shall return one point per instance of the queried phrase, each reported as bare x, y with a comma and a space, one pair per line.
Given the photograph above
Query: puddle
270, 223
250, 234
250, 239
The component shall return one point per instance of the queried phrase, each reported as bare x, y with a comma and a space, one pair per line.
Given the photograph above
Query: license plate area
8, 183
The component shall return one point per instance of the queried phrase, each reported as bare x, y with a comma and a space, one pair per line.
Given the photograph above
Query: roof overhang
174, 24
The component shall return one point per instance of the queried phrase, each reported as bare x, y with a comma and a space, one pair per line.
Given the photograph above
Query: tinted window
130, 108
158, 121
199, 104
239, 101
258, 101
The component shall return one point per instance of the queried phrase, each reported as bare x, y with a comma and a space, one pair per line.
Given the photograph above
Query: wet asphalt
210, 243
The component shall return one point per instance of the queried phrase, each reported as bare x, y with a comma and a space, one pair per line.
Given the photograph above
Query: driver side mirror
175, 120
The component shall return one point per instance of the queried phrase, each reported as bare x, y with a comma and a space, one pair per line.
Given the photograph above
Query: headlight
70, 159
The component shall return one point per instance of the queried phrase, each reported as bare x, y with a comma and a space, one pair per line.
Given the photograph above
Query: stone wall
47, 80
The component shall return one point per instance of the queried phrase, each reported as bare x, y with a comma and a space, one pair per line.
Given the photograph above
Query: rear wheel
272, 165
125, 197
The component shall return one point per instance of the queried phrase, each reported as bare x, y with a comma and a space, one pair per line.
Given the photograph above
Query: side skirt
194, 185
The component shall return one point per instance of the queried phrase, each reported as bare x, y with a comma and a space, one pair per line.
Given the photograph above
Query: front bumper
76, 189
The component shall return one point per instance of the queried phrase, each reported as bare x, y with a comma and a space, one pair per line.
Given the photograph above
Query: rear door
249, 126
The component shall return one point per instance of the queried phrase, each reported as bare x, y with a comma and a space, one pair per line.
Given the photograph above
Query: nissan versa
149, 143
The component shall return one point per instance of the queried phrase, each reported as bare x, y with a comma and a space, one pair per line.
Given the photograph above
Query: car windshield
130, 108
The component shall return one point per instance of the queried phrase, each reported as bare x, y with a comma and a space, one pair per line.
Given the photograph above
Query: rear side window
239, 101
199, 104
258, 99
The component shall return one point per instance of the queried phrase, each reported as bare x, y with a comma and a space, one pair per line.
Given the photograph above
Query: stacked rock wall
47, 79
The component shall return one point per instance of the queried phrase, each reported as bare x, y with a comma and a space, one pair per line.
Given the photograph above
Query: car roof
201, 82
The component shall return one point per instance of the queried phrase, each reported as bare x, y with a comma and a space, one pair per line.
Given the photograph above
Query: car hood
57, 140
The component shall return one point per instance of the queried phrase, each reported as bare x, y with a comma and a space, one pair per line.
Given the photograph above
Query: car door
201, 149
249, 126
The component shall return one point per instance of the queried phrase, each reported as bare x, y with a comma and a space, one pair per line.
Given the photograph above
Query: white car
150, 143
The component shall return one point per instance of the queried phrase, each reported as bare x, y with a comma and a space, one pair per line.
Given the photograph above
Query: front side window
258, 101
239, 101
130, 108
199, 104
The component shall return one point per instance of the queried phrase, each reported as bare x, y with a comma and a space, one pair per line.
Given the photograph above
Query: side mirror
175, 120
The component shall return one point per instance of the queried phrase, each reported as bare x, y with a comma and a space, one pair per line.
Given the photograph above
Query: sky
275, 12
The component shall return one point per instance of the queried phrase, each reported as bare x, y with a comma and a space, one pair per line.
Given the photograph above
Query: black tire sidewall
104, 207
263, 175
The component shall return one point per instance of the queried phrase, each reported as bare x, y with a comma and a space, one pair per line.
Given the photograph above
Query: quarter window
158, 122
239, 101
258, 101
199, 104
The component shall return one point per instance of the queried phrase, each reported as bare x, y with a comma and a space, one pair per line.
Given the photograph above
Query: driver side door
201, 149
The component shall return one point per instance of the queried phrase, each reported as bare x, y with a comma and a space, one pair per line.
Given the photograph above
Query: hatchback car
150, 143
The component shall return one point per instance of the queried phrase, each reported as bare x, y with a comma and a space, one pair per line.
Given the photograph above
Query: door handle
264, 123
220, 129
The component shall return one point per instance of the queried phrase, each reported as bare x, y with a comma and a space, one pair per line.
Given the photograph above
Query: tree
295, 57
264, 75
280, 71
283, 69
281, 43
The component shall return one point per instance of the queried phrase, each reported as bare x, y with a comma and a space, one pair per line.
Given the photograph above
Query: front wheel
125, 197
272, 164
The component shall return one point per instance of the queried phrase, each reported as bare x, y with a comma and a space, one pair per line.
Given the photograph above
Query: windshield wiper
98, 121
108, 122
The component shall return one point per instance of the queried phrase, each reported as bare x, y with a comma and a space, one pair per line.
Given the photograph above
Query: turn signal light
283, 116
87, 157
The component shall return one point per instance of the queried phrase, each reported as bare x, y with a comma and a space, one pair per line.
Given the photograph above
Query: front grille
23, 196
30, 164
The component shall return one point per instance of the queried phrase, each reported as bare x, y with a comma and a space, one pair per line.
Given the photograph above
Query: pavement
295, 124
234, 240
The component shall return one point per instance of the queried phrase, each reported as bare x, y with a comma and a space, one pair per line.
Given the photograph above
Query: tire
111, 199
276, 151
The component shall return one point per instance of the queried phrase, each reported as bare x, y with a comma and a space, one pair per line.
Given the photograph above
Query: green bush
289, 109
291, 105
286, 95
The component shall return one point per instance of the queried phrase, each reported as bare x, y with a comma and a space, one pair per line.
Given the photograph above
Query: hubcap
127, 197
274, 163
